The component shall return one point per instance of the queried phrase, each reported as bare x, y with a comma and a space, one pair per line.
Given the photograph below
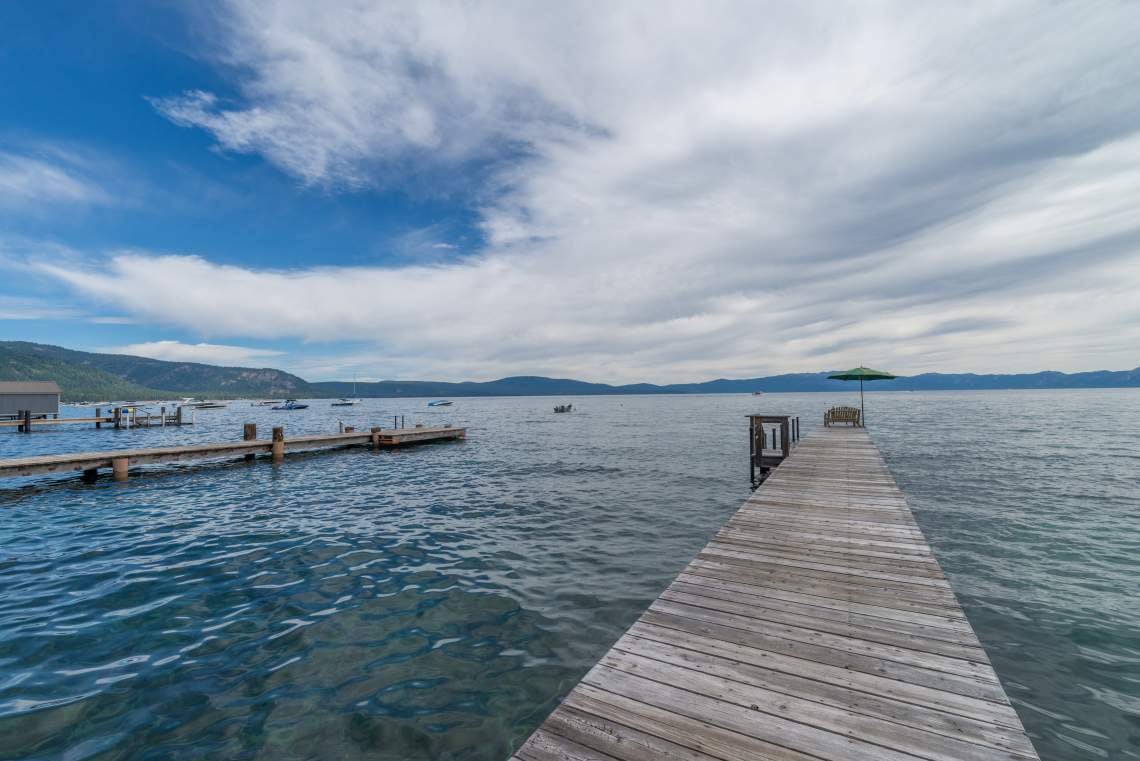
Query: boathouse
38, 397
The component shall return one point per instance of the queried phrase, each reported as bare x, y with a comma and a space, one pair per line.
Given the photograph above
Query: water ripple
436, 603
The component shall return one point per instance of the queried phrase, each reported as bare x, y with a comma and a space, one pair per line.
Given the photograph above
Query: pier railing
771, 439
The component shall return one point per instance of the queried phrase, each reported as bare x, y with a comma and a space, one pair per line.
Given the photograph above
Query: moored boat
291, 404
439, 403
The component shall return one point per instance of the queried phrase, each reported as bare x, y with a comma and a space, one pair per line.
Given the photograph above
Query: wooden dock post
27, 421
118, 414
119, 468
249, 433
90, 475
375, 437
163, 408
98, 417
178, 415
278, 444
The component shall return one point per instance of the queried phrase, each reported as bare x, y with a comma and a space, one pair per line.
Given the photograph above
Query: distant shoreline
86, 376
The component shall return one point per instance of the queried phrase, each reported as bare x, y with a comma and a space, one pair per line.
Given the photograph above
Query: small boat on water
439, 403
348, 402
758, 393
265, 403
563, 408
291, 404
210, 406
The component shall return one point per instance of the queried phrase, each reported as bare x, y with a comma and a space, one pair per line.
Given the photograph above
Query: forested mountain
91, 376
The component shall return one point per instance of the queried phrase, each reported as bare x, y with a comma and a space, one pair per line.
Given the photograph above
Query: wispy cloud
32, 308
215, 354
677, 191
51, 177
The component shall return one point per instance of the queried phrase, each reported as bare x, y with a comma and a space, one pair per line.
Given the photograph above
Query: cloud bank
672, 191
213, 354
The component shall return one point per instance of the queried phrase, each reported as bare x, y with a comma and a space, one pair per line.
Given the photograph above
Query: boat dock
816, 625
120, 460
120, 417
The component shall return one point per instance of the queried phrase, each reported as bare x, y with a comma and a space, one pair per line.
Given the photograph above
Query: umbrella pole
862, 414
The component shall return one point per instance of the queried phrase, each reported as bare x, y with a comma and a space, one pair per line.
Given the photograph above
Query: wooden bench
848, 415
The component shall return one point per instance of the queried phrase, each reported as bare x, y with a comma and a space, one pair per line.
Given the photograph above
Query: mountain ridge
92, 375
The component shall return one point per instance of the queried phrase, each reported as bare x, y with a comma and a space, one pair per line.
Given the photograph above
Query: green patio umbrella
862, 374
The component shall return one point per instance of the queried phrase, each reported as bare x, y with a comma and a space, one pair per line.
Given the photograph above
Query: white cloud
57, 178
213, 354
32, 308
678, 190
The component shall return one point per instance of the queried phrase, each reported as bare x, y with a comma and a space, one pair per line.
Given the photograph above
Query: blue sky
464, 191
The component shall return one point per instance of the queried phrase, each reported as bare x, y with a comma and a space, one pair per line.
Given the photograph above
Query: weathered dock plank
90, 461
817, 624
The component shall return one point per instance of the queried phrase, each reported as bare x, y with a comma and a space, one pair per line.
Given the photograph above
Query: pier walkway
119, 459
816, 625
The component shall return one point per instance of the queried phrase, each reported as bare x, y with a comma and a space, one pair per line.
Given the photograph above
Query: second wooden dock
119, 460
815, 626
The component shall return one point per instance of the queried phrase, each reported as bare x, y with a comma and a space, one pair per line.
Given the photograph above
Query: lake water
436, 602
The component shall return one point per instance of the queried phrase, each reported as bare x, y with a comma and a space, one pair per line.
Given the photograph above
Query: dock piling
119, 468
278, 452
375, 431
98, 417
249, 433
27, 421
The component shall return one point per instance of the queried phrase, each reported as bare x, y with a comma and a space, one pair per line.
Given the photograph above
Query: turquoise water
436, 602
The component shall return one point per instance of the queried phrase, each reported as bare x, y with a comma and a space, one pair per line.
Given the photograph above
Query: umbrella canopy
862, 374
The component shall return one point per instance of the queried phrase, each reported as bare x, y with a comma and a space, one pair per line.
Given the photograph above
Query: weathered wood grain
816, 624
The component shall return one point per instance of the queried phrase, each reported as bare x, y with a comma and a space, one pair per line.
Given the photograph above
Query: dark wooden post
90, 475
119, 468
178, 415
118, 413
395, 421
249, 433
278, 444
27, 421
752, 451
401, 421
98, 417
163, 416
376, 437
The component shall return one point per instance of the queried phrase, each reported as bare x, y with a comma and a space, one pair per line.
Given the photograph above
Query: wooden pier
119, 460
815, 626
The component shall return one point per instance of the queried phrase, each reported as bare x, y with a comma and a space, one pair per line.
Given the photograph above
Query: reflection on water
435, 602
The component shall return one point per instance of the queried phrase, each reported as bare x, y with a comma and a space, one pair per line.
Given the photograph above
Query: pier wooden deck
816, 625
92, 461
